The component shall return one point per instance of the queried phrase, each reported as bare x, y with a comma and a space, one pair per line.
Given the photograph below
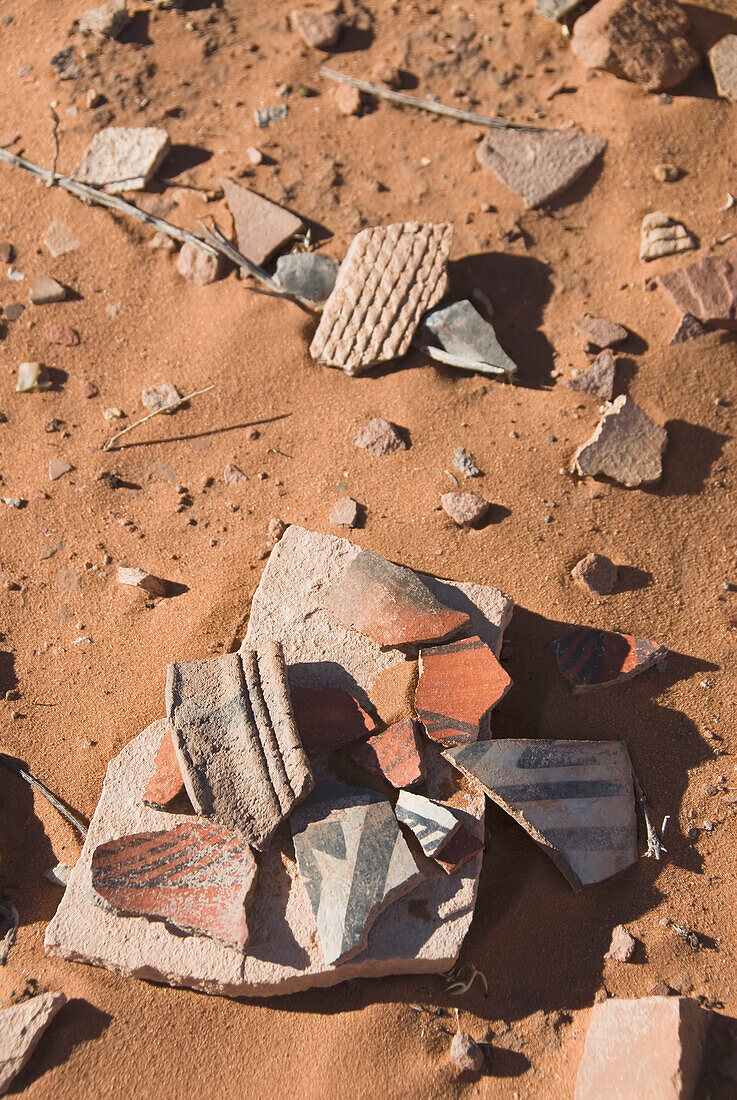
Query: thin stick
164, 409
65, 812
654, 847
55, 137
424, 104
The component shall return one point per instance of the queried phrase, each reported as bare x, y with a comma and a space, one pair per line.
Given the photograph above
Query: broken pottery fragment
463, 845
59, 240
32, 378
723, 61
465, 509
650, 1047
598, 380
459, 684
626, 446
21, 1027
166, 784
107, 21
575, 799
234, 734
623, 945
308, 274
389, 278
380, 437
318, 29
599, 332
160, 397
123, 158
139, 578
261, 226
662, 235
539, 166
196, 877
389, 603
58, 467
597, 573
328, 718
432, 823
395, 754
462, 331
689, 328
345, 512
352, 861
707, 288
590, 658
45, 290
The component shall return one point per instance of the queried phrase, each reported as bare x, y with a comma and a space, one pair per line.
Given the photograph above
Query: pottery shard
432, 823
723, 61
345, 512
647, 1047
261, 226
461, 330
599, 332
689, 328
463, 846
598, 380
395, 754
380, 437
139, 578
328, 718
166, 784
574, 798
459, 685
195, 877
590, 658
661, 235
123, 158
58, 467
21, 1027
352, 861
539, 166
622, 947
645, 41
317, 29
234, 733
707, 289
59, 240
197, 266
597, 573
388, 279
45, 290
465, 509
626, 446
389, 603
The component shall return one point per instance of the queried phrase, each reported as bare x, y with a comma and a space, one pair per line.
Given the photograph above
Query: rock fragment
459, 684
465, 1053
233, 475
597, 573
432, 823
574, 798
395, 754
328, 718
139, 578
345, 512
666, 173
465, 509
58, 467
59, 240
63, 335
598, 380
107, 21
599, 332
347, 99
317, 29
707, 289
590, 658
166, 784
723, 61
123, 158
7, 250
21, 1027
309, 274
32, 378
461, 331
390, 277
261, 226
380, 437
661, 235
465, 463
689, 328
623, 945
539, 166
13, 311
160, 397
645, 41
45, 290
197, 266
627, 446
267, 116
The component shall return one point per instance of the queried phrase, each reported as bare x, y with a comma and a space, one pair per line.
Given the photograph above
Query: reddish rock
166, 784
707, 289
598, 380
599, 332
261, 226
328, 718
465, 1053
395, 754
345, 512
623, 945
64, 335
465, 509
195, 877
196, 265
591, 658
389, 603
597, 573
58, 467
380, 437
317, 29
347, 99
464, 845
459, 684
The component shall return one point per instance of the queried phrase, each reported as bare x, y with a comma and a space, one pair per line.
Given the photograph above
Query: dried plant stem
655, 848
37, 785
107, 445
55, 138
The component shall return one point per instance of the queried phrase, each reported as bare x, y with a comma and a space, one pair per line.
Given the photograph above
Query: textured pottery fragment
123, 158
598, 380
461, 331
599, 332
21, 1027
662, 235
459, 685
389, 278
707, 289
590, 658
575, 799
395, 754
542, 165
432, 823
626, 446
166, 784
261, 226
328, 718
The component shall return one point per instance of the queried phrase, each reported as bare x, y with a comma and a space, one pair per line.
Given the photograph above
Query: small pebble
466, 1054
465, 509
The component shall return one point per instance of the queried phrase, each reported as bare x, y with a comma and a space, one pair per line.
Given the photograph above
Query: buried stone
462, 332
459, 684
590, 658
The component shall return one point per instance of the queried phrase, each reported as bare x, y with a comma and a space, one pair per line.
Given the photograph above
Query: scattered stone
380, 437
14, 311
267, 116
707, 288
353, 861
329, 718
465, 1053
15, 502
59, 240
7, 250
276, 529
390, 277
195, 877
21, 1027
395, 754
689, 328
315, 28
32, 378
347, 99
666, 173
465, 509
308, 274
465, 463
599, 332
385, 73
461, 330
598, 380
139, 578
574, 798
160, 397
64, 64
590, 658
663, 236
63, 335
345, 512
166, 785
59, 875
113, 413
627, 446
389, 603
432, 823
53, 424
723, 61
88, 389
462, 847
623, 945
123, 158
597, 573
236, 740
255, 156
459, 684
197, 266
233, 475
542, 165
106, 21
645, 41
57, 468
647, 1047
261, 226
46, 290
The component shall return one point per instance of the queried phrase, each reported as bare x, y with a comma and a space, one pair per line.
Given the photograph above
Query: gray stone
627, 446
432, 823
59, 240
599, 332
46, 290
465, 509
539, 166
123, 158
160, 397
689, 328
261, 226
107, 21
462, 331
308, 274
380, 437
267, 116
465, 1053
598, 380
662, 235
21, 1027
723, 61
465, 463
623, 945
574, 798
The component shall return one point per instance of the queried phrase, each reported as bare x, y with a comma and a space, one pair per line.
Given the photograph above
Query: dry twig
107, 445
55, 138
37, 785
655, 848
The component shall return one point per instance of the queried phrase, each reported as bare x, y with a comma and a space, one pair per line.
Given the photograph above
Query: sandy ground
540, 945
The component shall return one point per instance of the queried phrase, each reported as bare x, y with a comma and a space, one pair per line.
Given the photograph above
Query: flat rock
197, 266
328, 718
461, 331
465, 463
623, 945
389, 603
21, 1027
590, 658
389, 278
597, 573
662, 235
707, 288
651, 1047
13, 311
598, 380
465, 509
539, 166
242, 761
139, 578
160, 397
261, 226
166, 785
308, 274
645, 41
394, 754
317, 29
432, 823
689, 328
574, 798
723, 61
380, 437
45, 290
58, 467
556, 10
123, 158
599, 332
345, 512
59, 240
107, 21
459, 684
627, 446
